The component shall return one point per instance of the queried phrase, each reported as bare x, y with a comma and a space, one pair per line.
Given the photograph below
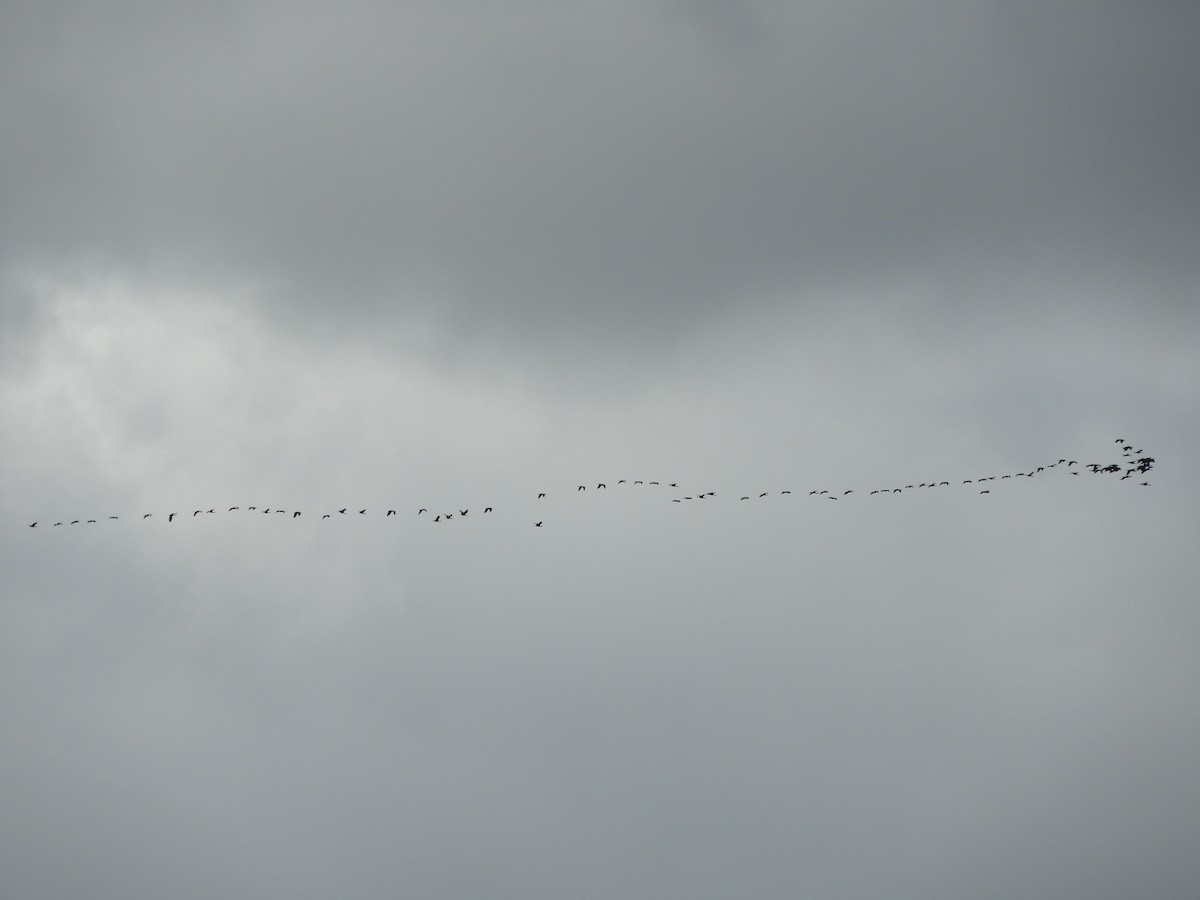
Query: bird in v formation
1132, 464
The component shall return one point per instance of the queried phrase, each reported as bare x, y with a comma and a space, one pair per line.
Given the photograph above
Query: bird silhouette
462, 512
390, 512
362, 512
34, 525
537, 524
147, 515
540, 496
342, 511
232, 508
295, 514
171, 516
487, 509
421, 510
326, 516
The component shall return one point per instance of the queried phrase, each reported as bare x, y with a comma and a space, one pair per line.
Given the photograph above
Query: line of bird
1134, 463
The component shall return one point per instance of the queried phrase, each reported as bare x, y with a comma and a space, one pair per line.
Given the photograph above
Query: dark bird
639, 482
342, 511
677, 500
946, 483
782, 492
968, 480
147, 515
580, 488
281, 511
540, 496
421, 510
985, 492
295, 514
437, 518
326, 516
537, 524
34, 525
763, 494
390, 512
252, 507
362, 512
91, 521
655, 482
897, 491
212, 510
171, 516
851, 491
1145, 484
462, 512
113, 517
232, 508
52, 526
76, 522
810, 493
197, 512
448, 515
1120, 440
602, 485
745, 498
621, 481
487, 509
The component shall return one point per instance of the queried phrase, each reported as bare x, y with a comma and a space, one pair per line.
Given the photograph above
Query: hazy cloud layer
451, 256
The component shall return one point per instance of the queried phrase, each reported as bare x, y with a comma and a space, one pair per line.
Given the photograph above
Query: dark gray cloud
616, 167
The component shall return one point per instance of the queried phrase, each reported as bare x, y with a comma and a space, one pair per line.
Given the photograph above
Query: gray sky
314, 256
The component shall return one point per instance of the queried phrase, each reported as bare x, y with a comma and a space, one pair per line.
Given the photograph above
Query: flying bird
171, 516
34, 525
540, 496
462, 512
487, 509
147, 515
537, 524
362, 512
295, 514
421, 510
390, 512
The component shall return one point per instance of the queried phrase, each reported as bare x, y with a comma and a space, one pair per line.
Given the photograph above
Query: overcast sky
315, 256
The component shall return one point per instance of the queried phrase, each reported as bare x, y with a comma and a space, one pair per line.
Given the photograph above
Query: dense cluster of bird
1134, 463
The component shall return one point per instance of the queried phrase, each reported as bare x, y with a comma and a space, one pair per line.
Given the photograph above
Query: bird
540, 496
197, 512
362, 512
113, 517
537, 524
326, 516
390, 512
421, 510
342, 511
673, 483
147, 515
745, 498
437, 518
580, 488
985, 492
487, 509
295, 514
462, 512
91, 521
76, 522
763, 494
52, 526
252, 507
34, 525
232, 508
851, 491
602, 485
621, 481
171, 516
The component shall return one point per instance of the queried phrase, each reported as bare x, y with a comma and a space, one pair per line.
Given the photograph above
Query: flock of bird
1133, 464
